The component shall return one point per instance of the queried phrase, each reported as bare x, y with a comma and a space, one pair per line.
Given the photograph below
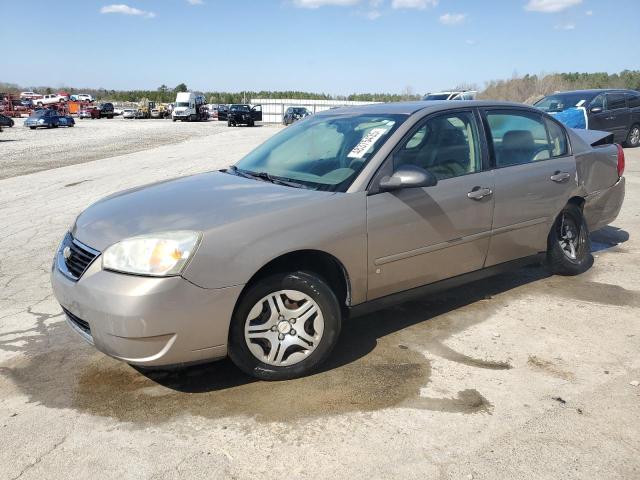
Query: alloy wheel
284, 328
571, 237
634, 138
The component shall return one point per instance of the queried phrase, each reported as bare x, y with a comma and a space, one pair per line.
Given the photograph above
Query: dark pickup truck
242, 114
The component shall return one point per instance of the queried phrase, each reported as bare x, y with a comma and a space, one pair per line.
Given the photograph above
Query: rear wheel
284, 326
633, 139
569, 246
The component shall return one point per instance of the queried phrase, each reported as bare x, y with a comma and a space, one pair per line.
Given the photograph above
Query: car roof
409, 108
593, 91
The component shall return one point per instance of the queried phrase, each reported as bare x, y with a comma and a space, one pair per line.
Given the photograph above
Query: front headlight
157, 254
41, 121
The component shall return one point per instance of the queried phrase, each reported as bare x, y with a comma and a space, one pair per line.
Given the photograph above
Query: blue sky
333, 46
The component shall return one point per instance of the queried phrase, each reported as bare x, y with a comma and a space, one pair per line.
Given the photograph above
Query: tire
633, 138
252, 123
304, 350
175, 119
569, 235
32, 128
229, 124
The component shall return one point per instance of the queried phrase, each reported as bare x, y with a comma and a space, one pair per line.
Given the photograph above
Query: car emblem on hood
66, 253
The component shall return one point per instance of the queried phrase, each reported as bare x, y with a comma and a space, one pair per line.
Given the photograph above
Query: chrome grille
74, 257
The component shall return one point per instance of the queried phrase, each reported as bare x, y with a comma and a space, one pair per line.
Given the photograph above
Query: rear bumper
602, 208
147, 321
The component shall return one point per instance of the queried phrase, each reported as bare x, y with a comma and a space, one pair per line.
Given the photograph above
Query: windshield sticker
367, 142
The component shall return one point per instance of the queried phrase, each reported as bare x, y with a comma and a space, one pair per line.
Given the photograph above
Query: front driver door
421, 235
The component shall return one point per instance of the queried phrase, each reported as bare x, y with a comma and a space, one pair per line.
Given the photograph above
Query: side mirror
595, 109
408, 176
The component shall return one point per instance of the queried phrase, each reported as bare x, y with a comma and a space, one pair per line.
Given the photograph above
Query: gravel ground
523, 376
26, 151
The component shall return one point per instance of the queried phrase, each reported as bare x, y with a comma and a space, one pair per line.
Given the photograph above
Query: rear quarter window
557, 139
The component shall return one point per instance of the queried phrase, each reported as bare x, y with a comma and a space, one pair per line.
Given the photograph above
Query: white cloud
324, 3
565, 26
471, 42
126, 10
550, 6
419, 4
195, 2
452, 18
589, 12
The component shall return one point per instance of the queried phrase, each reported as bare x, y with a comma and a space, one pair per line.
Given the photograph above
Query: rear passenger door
535, 175
619, 115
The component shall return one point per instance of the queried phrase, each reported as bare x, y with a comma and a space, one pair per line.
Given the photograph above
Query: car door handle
610, 118
478, 193
560, 177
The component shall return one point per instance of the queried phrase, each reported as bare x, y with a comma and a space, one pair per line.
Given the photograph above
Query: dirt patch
549, 367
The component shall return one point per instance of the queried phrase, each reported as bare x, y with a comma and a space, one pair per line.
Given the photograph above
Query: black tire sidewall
557, 260
305, 282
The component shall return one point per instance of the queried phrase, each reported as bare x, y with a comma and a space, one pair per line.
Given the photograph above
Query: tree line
527, 88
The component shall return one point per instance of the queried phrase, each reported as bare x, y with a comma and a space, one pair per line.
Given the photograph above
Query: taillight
620, 161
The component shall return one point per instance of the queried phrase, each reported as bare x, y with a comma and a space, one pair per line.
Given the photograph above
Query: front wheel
284, 326
633, 139
569, 245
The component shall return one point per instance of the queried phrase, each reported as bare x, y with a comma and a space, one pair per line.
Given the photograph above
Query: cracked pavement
522, 376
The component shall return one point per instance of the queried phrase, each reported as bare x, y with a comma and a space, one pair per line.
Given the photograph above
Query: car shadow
607, 238
360, 335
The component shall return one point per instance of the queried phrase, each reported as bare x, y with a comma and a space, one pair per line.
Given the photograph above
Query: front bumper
146, 321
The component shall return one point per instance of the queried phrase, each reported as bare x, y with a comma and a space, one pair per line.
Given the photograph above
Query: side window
447, 146
557, 138
518, 137
615, 101
634, 100
598, 102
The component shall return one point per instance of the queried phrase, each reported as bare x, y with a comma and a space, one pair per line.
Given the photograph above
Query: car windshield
38, 113
437, 96
560, 102
299, 111
182, 104
239, 108
323, 152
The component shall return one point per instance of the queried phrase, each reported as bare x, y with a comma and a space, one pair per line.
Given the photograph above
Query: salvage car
242, 114
343, 212
293, 114
48, 118
129, 113
6, 121
615, 111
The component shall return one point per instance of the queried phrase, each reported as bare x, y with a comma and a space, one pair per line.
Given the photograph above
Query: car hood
200, 202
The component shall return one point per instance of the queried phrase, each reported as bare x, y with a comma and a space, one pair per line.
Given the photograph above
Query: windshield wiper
267, 177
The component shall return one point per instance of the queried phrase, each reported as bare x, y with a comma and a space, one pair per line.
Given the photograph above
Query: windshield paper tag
367, 142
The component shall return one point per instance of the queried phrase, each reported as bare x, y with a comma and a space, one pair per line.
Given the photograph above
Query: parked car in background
30, 95
345, 212
129, 113
213, 111
48, 118
118, 111
50, 99
612, 110
106, 110
293, 114
6, 121
223, 112
454, 95
87, 112
243, 114
82, 97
